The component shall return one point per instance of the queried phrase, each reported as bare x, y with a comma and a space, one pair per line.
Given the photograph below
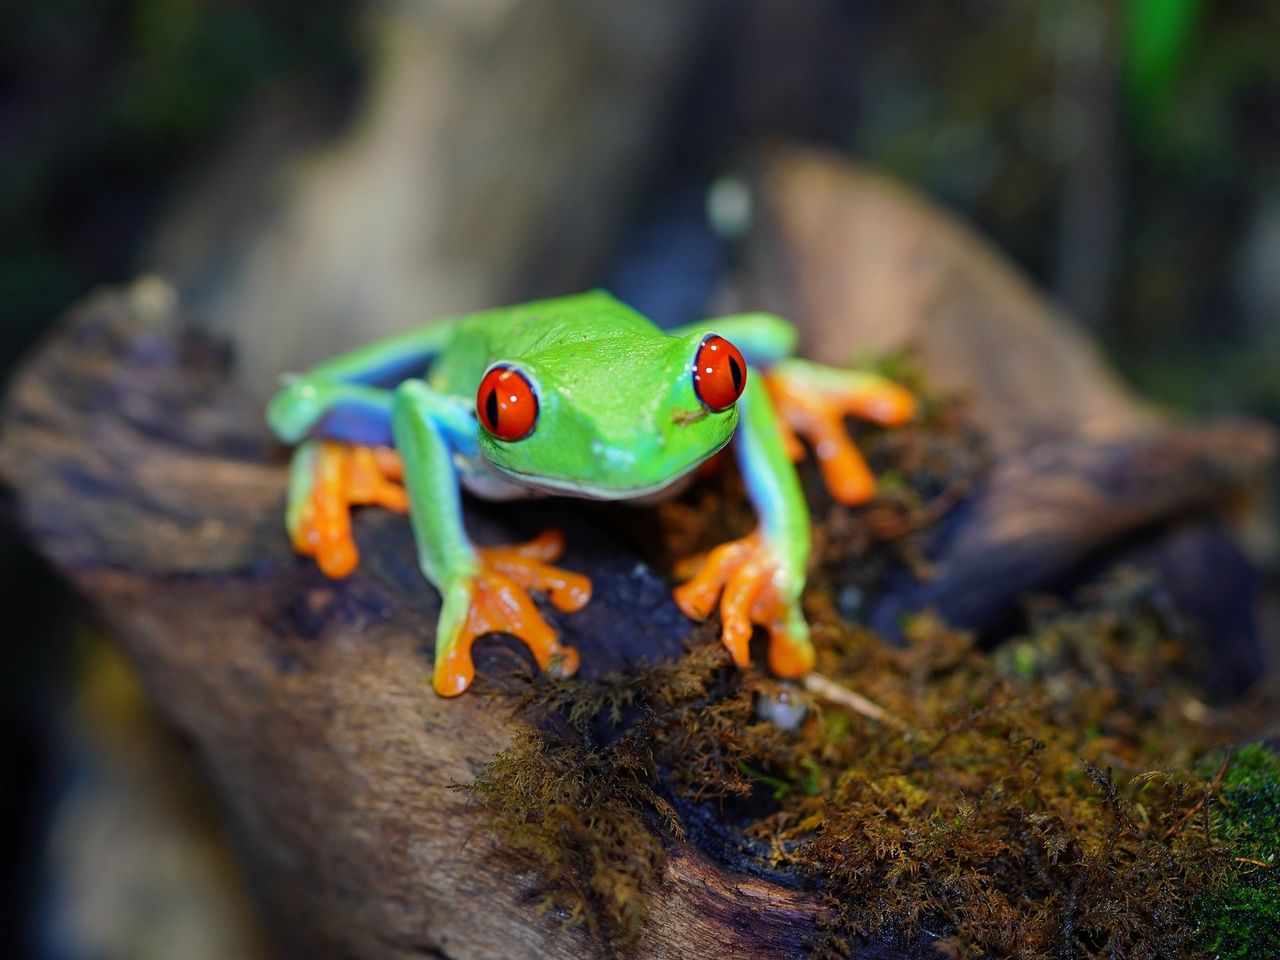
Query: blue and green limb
345, 428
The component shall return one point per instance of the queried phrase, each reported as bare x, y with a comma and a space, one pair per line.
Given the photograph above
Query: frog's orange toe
790, 657
373, 477
500, 603
344, 476
529, 564
844, 470
887, 404
707, 575
338, 559
743, 576
454, 670
817, 412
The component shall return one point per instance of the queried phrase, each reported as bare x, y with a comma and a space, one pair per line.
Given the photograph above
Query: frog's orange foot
498, 601
752, 590
341, 476
813, 401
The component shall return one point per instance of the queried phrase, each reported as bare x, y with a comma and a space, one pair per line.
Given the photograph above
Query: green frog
577, 396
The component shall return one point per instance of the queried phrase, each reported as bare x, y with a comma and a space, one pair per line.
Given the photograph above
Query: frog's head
618, 417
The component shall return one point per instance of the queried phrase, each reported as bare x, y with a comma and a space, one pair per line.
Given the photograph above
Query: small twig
1256, 863
827, 689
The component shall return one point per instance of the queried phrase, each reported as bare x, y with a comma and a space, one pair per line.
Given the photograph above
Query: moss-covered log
149, 480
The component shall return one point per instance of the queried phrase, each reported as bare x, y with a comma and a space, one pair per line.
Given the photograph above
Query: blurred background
313, 174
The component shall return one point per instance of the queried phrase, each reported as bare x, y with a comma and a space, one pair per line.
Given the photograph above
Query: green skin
618, 420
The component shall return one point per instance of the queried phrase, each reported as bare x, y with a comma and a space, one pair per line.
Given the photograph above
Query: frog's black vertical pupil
736, 372
491, 408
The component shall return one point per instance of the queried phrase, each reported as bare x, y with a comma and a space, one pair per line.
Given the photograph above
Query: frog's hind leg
483, 590
340, 414
812, 400
327, 478
344, 460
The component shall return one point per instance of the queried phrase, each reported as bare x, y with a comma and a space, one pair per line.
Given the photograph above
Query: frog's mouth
642, 493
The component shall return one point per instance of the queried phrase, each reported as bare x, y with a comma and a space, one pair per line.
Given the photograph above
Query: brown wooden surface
1084, 472
152, 484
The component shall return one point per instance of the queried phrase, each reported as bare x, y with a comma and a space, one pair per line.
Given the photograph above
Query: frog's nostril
685, 417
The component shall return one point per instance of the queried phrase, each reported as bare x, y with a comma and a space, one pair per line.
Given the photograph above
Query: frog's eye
719, 373
506, 403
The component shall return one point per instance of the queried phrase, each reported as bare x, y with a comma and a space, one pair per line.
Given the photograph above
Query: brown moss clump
1023, 811
1038, 802
589, 818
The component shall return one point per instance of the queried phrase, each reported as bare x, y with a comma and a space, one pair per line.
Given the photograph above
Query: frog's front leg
483, 590
759, 578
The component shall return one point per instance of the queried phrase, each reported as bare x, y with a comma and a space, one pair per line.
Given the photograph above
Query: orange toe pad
817, 413
344, 476
500, 603
743, 576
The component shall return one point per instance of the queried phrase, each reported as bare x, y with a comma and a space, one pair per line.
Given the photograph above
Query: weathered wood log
150, 481
872, 268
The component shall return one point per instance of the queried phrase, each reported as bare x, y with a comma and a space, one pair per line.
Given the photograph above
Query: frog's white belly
479, 477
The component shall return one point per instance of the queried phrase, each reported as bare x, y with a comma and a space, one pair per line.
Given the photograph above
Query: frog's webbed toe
753, 590
495, 599
328, 478
813, 400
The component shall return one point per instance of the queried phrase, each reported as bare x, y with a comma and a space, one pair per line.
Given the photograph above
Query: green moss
1242, 923
1248, 814
1241, 917
974, 814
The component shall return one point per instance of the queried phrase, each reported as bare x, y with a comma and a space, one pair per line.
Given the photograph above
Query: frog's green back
533, 328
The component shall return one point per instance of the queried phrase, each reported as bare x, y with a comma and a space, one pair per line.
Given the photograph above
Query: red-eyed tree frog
578, 396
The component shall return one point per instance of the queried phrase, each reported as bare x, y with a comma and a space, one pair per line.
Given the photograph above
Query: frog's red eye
506, 404
719, 373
